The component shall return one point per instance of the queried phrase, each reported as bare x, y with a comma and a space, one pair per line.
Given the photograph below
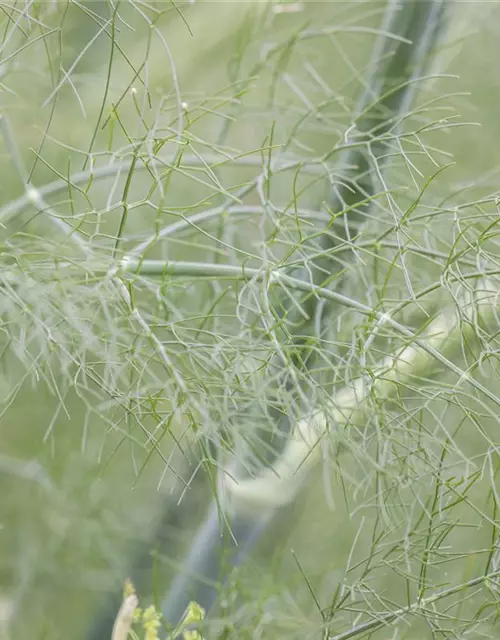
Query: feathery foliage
180, 289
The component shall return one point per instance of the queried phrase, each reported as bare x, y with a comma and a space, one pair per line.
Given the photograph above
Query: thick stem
216, 547
381, 110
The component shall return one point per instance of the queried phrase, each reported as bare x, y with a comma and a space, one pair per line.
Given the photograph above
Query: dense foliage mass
251, 237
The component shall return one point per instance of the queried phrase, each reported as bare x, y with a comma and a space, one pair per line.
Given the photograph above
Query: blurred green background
82, 486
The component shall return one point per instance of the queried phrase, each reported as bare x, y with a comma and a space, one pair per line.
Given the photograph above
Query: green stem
381, 111
386, 618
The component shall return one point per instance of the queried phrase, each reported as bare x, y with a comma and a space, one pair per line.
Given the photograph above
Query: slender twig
295, 283
32, 195
115, 169
386, 618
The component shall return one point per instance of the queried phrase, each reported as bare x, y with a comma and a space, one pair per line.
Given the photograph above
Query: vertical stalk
396, 66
